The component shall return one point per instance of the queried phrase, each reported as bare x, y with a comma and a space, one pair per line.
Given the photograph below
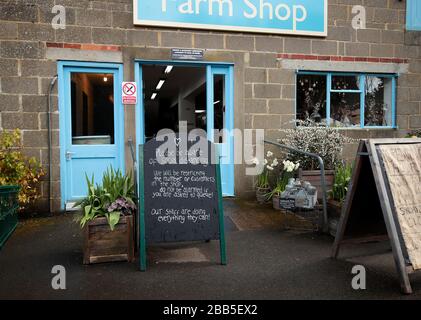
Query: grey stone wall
264, 90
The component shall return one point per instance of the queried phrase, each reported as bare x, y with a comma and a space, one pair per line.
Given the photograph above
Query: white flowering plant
289, 170
290, 166
316, 138
270, 164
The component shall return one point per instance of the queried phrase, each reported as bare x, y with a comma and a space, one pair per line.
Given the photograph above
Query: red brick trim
340, 58
83, 46
54, 45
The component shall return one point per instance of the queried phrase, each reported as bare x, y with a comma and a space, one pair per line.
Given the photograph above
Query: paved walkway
265, 262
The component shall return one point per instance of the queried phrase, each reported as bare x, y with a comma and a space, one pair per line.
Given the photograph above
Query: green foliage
94, 205
118, 185
263, 180
414, 134
269, 165
17, 169
281, 183
278, 189
343, 174
112, 199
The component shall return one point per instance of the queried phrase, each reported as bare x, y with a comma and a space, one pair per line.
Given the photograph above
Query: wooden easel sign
180, 193
384, 198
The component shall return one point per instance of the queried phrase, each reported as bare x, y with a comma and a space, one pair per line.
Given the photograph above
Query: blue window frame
413, 15
347, 100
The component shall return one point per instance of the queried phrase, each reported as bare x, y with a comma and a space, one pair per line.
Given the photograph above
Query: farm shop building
264, 63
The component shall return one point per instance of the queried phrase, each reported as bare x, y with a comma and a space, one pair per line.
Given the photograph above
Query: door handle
69, 155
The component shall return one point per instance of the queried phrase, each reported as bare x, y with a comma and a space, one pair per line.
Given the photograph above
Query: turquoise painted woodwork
226, 149
413, 15
78, 160
361, 91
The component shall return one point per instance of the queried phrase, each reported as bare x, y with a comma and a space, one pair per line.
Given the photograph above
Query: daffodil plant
289, 170
270, 163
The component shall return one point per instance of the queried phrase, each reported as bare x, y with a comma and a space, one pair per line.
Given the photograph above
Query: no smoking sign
129, 90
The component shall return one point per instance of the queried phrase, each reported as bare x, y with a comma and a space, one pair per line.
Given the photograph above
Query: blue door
218, 84
91, 124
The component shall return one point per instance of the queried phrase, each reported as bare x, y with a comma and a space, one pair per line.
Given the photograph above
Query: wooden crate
103, 245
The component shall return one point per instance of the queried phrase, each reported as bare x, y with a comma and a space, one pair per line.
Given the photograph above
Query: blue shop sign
298, 17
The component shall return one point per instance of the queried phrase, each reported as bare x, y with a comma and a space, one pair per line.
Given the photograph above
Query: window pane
219, 106
311, 98
345, 83
92, 103
345, 109
378, 101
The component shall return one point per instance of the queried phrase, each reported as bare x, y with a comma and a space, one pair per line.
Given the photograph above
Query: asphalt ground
265, 261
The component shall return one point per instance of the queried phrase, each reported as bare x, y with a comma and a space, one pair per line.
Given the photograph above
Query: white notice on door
129, 92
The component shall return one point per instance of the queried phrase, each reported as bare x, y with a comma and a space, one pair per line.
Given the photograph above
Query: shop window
311, 97
346, 83
347, 100
378, 110
92, 106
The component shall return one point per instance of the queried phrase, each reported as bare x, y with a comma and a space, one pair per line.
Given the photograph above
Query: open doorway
173, 94
198, 94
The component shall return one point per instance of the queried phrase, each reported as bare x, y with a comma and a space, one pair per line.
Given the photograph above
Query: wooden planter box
103, 245
314, 177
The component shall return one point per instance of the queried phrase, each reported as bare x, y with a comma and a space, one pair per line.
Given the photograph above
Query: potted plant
337, 195
263, 183
19, 181
316, 138
339, 190
289, 171
107, 218
414, 134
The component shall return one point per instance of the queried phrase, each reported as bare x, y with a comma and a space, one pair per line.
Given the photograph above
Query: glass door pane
92, 103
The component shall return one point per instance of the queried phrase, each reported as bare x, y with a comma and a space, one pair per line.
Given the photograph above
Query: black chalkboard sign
180, 193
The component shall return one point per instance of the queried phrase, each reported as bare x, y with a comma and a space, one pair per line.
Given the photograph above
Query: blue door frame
212, 68
92, 159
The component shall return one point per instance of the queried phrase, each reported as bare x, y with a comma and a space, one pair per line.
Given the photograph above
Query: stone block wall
265, 80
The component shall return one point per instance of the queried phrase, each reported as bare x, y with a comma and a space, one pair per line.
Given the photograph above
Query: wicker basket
262, 195
8, 211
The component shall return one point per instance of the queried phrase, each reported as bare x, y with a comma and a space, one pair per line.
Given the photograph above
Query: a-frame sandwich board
369, 211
